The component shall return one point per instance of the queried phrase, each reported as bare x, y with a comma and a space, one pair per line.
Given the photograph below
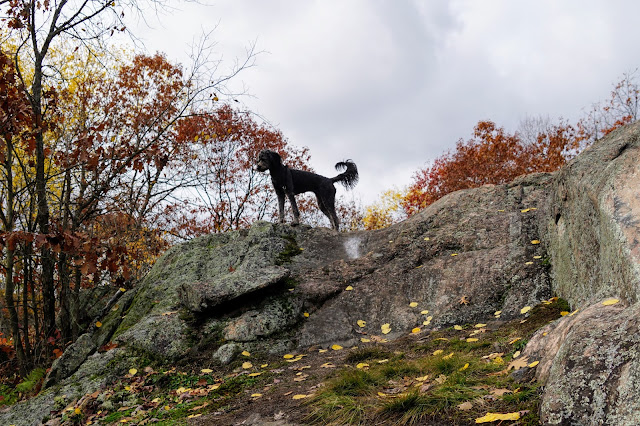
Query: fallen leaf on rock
518, 363
425, 312
472, 339
515, 340
494, 417
422, 379
457, 327
426, 238
264, 365
573, 313
465, 406
533, 364
480, 325
537, 257
133, 371
564, 313
288, 356
306, 314
382, 361
246, 353
386, 328
98, 324
535, 242
362, 365
413, 304
361, 323
516, 354
206, 370
256, 395
246, 365
454, 254
322, 351
365, 340
525, 309
416, 330
327, 365
349, 288
300, 396
254, 374
528, 263
609, 302
336, 347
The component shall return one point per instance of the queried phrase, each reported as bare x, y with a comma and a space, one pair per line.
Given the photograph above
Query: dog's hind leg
294, 208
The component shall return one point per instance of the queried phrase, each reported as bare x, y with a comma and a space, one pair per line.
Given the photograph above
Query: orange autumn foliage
491, 156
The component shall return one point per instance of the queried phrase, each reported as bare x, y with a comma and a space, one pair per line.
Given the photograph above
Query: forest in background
108, 157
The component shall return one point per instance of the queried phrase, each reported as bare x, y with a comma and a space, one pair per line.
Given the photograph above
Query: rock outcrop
474, 253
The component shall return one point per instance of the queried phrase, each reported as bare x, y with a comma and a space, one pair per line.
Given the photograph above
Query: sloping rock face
590, 361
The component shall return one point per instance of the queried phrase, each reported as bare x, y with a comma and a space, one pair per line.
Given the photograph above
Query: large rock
590, 361
594, 221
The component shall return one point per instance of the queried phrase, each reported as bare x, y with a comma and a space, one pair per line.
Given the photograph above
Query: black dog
291, 182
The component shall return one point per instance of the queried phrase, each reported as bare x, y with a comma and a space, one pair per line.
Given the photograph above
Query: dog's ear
274, 157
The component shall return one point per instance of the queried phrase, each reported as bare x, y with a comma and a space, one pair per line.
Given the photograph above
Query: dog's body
289, 182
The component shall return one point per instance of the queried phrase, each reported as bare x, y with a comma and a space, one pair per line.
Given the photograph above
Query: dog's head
267, 159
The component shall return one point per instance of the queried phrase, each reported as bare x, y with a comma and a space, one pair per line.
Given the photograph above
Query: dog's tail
349, 178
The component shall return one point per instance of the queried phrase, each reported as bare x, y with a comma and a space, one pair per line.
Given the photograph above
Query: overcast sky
394, 84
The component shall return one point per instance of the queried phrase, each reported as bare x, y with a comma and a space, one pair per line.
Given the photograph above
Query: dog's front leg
294, 208
280, 195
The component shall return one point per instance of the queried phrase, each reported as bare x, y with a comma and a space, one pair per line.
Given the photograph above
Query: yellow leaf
574, 312
535, 241
437, 352
422, 379
122, 289
246, 353
254, 374
98, 324
537, 257
322, 351
299, 396
416, 330
480, 325
472, 339
457, 327
361, 323
516, 354
454, 254
256, 395
264, 365
362, 365
494, 417
288, 356
306, 314
528, 263
127, 388
247, 365
514, 340
206, 370
464, 367
382, 361
610, 302
448, 356
386, 328
524, 210
413, 304
425, 312
365, 340
349, 288
77, 410
382, 394
498, 360
336, 347
427, 322
525, 309
564, 313
533, 364
497, 313
133, 371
